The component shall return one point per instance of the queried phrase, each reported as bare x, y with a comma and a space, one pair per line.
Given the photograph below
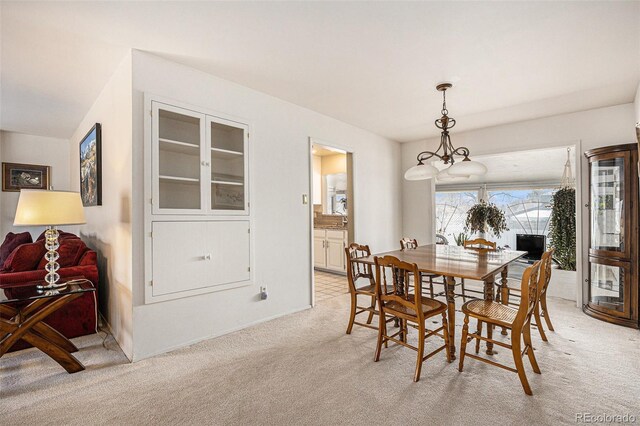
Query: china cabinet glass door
608, 212
609, 286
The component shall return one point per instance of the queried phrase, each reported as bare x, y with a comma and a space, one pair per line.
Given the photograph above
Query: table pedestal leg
488, 295
451, 314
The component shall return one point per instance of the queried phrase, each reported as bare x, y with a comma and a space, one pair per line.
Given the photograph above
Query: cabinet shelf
179, 179
179, 147
225, 153
226, 182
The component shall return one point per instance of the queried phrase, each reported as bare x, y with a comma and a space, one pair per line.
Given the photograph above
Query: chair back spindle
394, 275
408, 244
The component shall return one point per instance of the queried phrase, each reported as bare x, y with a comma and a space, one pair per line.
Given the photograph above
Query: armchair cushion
25, 258
11, 241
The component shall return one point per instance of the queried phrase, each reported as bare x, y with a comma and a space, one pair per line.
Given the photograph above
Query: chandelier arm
425, 155
461, 150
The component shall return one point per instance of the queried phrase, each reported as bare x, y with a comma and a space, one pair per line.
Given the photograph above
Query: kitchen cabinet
328, 249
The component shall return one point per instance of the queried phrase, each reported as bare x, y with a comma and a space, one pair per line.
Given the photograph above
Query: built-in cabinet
199, 223
611, 289
328, 249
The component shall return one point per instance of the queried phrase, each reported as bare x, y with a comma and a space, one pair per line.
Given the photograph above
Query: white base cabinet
192, 256
328, 249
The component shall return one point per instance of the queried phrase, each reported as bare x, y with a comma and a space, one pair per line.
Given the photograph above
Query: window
451, 212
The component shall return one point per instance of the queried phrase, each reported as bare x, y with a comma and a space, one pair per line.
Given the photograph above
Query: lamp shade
444, 176
49, 208
467, 168
421, 172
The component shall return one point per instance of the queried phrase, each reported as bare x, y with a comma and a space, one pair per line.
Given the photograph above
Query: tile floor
329, 285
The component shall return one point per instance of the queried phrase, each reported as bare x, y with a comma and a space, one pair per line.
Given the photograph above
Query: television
533, 244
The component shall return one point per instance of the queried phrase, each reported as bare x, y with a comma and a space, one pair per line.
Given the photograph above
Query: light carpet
303, 369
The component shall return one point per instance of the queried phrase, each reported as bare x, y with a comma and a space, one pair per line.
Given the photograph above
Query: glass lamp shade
49, 208
421, 172
467, 168
444, 176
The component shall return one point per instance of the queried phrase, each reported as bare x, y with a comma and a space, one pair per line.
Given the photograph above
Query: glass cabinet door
610, 286
178, 143
608, 212
228, 163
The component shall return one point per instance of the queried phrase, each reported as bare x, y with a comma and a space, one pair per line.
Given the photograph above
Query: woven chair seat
490, 311
430, 307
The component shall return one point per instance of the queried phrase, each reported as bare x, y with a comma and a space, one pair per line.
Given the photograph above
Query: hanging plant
562, 228
484, 217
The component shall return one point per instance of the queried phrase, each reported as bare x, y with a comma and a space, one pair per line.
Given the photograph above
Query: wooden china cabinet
611, 289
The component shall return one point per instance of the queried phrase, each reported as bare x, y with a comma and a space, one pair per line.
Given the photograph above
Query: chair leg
352, 315
463, 342
545, 311
445, 333
373, 306
382, 331
536, 314
421, 339
431, 286
403, 324
479, 333
517, 359
527, 341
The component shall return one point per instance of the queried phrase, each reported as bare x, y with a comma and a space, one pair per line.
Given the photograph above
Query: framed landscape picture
24, 176
91, 167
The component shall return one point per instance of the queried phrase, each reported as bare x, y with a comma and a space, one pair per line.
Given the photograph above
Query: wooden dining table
453, 262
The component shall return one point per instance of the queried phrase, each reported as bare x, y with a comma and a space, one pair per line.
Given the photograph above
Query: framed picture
91, 167
228, 197
24, 176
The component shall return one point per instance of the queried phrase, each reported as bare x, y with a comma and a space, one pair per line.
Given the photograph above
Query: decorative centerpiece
484, 217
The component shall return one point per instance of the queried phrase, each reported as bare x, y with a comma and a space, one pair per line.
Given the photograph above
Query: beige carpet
303, 369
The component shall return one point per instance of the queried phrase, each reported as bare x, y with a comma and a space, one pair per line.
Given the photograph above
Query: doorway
331, 218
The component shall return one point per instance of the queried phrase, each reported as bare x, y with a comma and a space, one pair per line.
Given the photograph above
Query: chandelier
446, 152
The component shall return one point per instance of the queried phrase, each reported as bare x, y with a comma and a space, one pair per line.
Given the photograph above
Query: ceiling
370, 64
510, 168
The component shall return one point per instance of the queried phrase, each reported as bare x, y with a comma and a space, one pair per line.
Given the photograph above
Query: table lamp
50, 209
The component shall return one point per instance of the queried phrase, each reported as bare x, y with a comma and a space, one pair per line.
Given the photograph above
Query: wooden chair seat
491, 312
367, 289
430, 307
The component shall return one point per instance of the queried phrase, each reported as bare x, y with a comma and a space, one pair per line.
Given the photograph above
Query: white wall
108, 228
587, 129
636, 105
279, 173
30, 149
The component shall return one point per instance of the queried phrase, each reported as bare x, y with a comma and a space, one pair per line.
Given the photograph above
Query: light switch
305, 199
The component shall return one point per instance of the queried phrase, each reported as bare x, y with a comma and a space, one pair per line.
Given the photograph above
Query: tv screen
533, 244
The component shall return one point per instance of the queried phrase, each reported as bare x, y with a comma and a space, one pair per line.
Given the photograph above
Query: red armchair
26, 264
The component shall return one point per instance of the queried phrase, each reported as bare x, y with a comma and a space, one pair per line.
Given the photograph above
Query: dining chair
426, 279
541, 310
359, 271
480, 245
394, 299
517, 320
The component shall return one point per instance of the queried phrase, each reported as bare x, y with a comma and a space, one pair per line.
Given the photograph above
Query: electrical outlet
263, 293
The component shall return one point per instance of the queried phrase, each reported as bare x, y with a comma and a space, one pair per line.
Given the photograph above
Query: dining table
457, 262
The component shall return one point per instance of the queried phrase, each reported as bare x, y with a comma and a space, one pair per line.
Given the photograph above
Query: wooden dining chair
480, 245
517, 320
541, 310
359, 271
394, 299
426, 279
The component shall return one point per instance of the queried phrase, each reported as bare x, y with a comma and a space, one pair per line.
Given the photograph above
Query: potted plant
562, 228
484, 217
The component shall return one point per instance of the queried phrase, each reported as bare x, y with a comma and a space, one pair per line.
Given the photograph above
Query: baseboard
213, 336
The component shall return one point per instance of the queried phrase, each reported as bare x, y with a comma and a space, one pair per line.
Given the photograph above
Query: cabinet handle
204, 163
206, 257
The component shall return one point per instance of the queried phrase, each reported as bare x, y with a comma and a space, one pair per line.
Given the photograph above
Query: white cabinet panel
188, 256
319, 253
335, 254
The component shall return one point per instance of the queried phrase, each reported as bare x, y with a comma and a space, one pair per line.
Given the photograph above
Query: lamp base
52, 245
